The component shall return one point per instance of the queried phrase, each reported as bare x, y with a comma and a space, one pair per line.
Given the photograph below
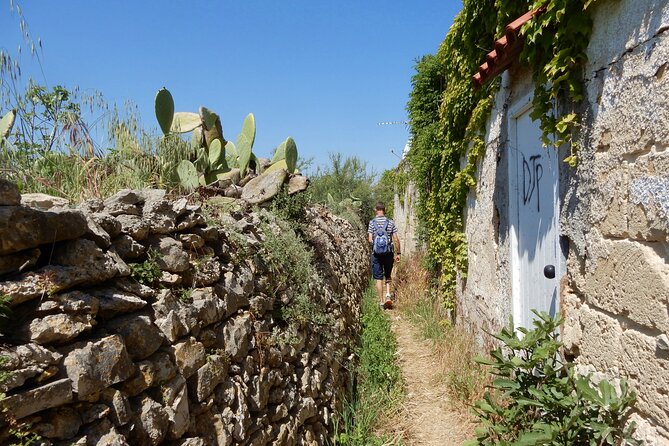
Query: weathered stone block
189, 356
20, 261
50, 395
170, 255
43, 201
22, 227
57, 328
9, 193
141, 337
264, 187
96, 365
630, 278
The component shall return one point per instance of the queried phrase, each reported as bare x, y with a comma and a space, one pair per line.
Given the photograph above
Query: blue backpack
382, 242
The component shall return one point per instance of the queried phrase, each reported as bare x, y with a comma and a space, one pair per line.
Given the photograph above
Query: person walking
382, 234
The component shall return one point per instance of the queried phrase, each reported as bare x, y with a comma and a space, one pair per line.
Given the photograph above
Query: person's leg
387, 272
377, 274
379, 290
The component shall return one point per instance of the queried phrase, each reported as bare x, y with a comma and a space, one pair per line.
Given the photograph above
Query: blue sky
322, 71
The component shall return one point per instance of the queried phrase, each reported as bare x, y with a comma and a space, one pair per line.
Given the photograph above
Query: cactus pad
164, 109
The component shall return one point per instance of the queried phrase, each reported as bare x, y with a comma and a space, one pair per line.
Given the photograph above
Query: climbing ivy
447, 116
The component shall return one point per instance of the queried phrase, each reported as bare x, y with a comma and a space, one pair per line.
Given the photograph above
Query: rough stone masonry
93, 356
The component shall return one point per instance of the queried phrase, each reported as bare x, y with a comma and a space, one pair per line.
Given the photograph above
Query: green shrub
540, 400
147, 272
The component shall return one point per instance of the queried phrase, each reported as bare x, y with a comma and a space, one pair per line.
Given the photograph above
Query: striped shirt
381, 223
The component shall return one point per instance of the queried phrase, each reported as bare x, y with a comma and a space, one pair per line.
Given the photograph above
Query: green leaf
6, 124
208, 117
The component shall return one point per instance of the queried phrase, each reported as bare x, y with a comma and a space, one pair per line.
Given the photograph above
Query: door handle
549, 272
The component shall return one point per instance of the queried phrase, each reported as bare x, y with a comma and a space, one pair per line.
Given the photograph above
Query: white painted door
533, 177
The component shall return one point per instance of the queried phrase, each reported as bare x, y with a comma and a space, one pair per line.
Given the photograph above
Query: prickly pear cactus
245, 142
291, 155
187, 175
164, 104
231, 155
184, 122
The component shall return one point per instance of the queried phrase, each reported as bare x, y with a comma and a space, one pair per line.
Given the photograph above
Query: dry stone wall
137, 321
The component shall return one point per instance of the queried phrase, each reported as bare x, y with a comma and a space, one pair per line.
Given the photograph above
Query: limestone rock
25, 362
142, 380
107, 222
196, 441
118, 403
189, 356
59, 424
57, 328
91, 206
22, 227
208, 306
209, 376
141, 337
170, 255
70, 302
134, 226
20, 261
96, 233
136, 288
175, 395
125, 201
173, 317
204, 271
103, 433
50, 395
160, 215
151, 422
9, 193
297, 183
112, 302
237, 333
189, 220
192, 242
264, 187
128, 248
111, 365
43, 201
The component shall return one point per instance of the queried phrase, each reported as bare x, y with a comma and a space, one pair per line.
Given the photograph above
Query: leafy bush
147, 272
540, 400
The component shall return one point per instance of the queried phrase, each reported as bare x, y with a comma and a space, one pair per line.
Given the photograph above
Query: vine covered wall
448, 116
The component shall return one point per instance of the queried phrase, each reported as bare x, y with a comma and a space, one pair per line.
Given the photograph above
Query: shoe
382, 306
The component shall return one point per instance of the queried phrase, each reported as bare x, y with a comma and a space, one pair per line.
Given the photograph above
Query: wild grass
379, 392
454, 348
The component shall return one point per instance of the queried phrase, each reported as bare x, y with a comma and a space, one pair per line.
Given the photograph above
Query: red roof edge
507, 49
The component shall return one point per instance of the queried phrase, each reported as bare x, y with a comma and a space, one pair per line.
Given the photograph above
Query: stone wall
617, 296
404, 216
205, 355
614, 213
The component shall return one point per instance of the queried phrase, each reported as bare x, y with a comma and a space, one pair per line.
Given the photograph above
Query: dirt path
428, 416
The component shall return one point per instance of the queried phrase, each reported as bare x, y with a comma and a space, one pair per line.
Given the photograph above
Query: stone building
590, 241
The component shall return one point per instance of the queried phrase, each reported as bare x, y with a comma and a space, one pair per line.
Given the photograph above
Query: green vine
448, 116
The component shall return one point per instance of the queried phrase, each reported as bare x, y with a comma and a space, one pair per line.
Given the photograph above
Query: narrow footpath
428, 417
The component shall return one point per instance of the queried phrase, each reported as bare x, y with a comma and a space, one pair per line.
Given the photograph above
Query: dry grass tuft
454, 348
